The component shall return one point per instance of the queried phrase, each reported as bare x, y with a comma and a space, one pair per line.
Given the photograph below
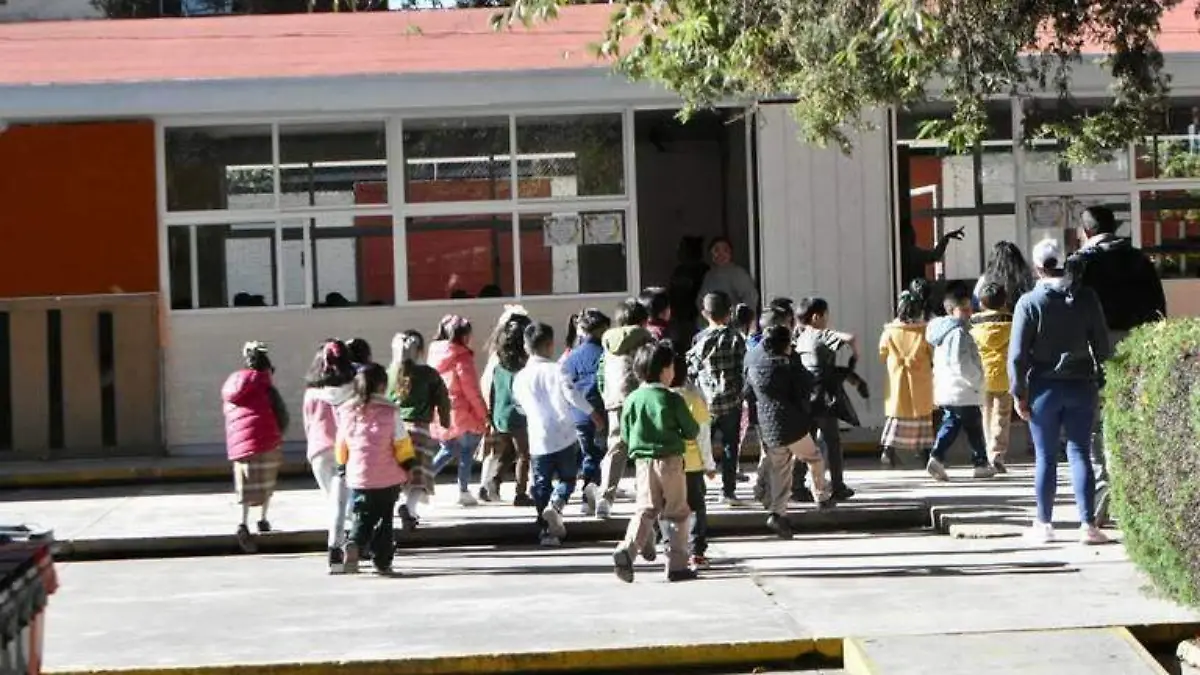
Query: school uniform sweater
656, 423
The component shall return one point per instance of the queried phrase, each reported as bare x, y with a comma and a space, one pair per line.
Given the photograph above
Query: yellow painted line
855, 660
1139, 648
644, 658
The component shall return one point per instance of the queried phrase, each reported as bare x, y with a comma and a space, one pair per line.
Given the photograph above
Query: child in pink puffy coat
450, 354
254, 422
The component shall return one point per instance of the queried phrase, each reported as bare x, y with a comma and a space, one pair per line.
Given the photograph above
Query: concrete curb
500, 532
661, 658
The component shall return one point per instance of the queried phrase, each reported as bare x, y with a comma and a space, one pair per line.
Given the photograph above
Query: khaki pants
997, 418
775, 466
661, 495
612, 467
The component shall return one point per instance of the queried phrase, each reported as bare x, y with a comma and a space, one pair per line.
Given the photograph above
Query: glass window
570, 156
1175, 151
460, 257
352, 260
456, 160
295, 268
179, 262
1043, 161
219, 168
1060, 217
236, 265
1170, 225
333, 164
565, 253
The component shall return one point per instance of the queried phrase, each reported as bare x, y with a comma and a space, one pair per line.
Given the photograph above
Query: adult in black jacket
780, 388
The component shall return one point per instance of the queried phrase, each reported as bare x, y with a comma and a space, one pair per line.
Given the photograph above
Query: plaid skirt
908, 434
427, 448
254, 478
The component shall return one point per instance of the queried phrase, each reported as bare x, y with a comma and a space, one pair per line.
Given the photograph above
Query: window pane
962, 259
1044, 165
456, 160
294, 267
1171, 231
219, 168
568, 156
564, 253
179, 257
1060, 217
235, 266
352, 260
333, 164
460, 257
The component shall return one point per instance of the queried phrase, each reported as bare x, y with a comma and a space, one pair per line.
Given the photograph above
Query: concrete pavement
488, 610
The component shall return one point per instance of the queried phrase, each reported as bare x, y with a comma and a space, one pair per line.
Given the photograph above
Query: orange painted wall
77, 209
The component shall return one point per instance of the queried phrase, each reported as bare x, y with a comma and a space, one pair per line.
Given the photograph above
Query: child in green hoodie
616, 381
656, 425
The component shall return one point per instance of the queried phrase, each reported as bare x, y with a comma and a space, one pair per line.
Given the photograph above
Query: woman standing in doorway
726, 276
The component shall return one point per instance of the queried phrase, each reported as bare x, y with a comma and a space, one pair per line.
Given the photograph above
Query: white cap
1048, 255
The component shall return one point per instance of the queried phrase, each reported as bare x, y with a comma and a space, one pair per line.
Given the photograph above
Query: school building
172, 188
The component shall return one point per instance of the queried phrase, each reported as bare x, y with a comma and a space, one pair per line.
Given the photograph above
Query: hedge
1152, 435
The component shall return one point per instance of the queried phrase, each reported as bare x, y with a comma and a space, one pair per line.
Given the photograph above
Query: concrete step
1095, 651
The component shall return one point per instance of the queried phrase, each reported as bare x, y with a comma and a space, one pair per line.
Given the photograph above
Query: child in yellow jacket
908, 404
992, 329
698, 463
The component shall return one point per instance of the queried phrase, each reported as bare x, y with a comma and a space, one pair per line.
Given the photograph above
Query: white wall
46, 10
202, 348
825, 222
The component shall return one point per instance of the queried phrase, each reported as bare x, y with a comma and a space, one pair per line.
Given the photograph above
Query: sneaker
484, 495
408, 522
743, 477
780, 526
650, 551
803, 495
245, 540
337, 561
589, 500
827, 504
523, 500
351, 559
936, 470
685, 574
264, 526
984, 472
604, 509
699, 562
623, 565
554, 521
548, 540
1102, 502
466, 500
1040, 533
842, 493
998, 465
1090, 535
733, 502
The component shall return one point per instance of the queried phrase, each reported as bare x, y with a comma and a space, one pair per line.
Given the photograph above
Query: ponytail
407, 348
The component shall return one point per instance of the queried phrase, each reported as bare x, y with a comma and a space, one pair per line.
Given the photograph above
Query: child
744, 321
617, 381
657, 302
571, 338
541, 391
715, 363
746, 324
451, 356
494, 450
655, 425
909, 401
377, 454
254, 423
781, 389
418, 392
507, 436
329, 384
991, 330
582, 368
360, 352
698, 463
958, 385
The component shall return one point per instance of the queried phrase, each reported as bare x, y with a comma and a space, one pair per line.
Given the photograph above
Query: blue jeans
562, 465
591, 448
726, 430
968, 418
1058, 407
462, 449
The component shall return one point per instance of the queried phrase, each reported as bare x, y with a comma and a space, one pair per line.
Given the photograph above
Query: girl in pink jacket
378, 454
450, 354
328, 385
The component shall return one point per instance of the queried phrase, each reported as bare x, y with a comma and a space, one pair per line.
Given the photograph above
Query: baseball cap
1047, 255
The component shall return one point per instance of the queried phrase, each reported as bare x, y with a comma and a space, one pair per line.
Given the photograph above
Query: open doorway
691, 187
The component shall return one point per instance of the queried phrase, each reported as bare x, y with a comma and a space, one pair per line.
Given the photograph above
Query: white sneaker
588, 507
1040, 533
550, 541
984, 472
467, 499
1090, 535
603, 509
936, 470
554, 522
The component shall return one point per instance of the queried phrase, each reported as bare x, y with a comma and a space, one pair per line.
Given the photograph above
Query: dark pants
372, 527
591, 452
563, 466
969, 419
726, 429
696, 489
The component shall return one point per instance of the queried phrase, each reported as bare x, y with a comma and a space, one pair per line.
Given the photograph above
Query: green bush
1152, 434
